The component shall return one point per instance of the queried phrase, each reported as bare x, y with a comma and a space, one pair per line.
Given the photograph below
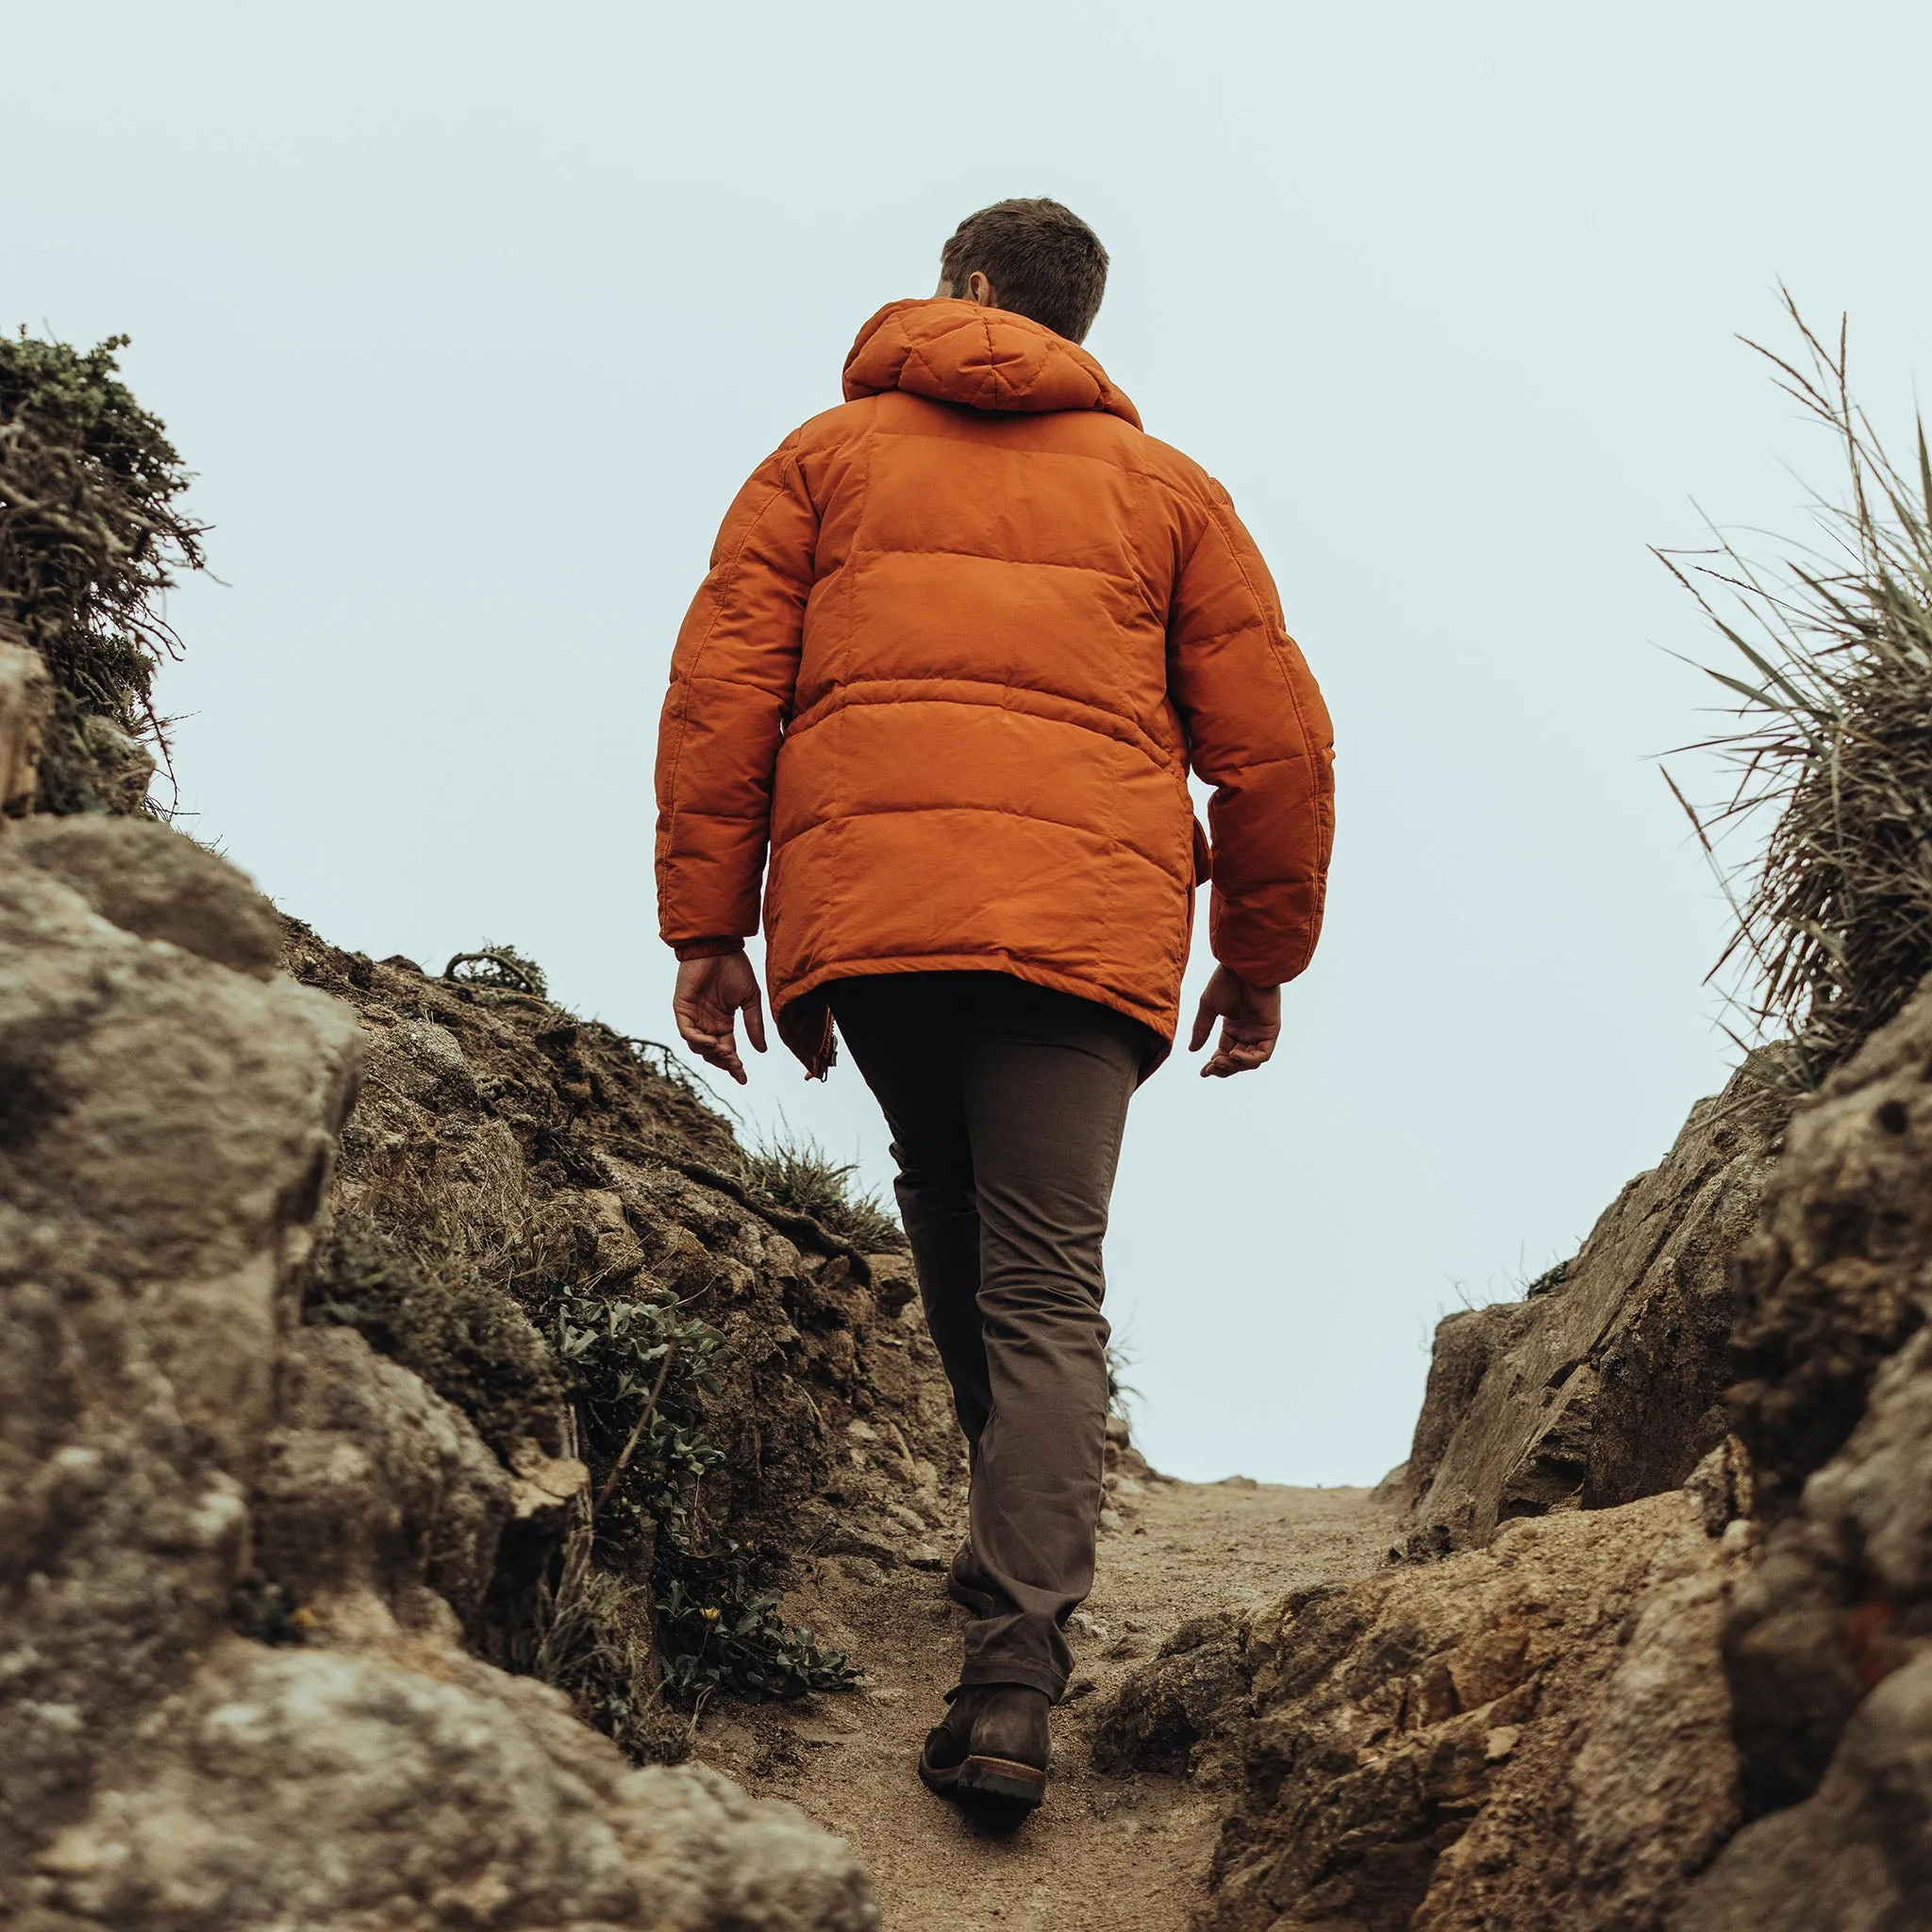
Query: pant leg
1045, 1081
904, 1032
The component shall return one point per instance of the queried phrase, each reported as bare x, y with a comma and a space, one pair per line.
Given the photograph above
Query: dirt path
1123, 1854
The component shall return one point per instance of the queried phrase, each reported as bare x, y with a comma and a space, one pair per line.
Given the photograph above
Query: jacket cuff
706, 949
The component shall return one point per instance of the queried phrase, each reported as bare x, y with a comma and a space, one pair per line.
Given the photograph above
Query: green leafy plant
641, 1372
719, 1631
796, 1172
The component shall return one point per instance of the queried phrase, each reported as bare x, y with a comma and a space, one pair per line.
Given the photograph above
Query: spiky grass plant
793, 1171
1833, 750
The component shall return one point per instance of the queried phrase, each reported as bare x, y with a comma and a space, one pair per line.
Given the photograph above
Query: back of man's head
1040, 259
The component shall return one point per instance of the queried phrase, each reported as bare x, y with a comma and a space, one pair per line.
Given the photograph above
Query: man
963, 639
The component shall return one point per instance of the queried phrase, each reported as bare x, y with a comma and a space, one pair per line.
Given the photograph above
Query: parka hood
987, 358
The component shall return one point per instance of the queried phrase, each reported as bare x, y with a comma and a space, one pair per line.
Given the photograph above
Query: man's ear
981, 291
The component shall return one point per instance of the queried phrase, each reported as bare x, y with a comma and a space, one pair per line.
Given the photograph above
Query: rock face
27, 709
1606, 1384
168, 1114
1829, 1642
1859, 1854
1529, 1735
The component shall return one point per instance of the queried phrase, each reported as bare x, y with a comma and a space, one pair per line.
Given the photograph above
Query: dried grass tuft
1833, 746
792, 1170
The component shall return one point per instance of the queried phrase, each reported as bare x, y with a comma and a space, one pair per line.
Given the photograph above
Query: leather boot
993, 1744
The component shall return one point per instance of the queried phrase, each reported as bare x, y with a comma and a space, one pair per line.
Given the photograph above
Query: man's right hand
1250, 1020
711, 994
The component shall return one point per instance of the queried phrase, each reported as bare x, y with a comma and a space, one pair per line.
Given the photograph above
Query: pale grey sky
472, 319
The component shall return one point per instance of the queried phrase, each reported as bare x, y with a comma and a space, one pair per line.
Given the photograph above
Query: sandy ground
1124, 1853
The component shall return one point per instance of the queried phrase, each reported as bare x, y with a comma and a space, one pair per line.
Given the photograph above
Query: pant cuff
990, 1670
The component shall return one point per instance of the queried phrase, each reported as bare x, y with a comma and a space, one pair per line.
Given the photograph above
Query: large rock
165, 1134
167, 1121
1829, 1643
1840, 1275
1190, 1696
1607, 1383
1855, 1857
27, 709
1531, 1735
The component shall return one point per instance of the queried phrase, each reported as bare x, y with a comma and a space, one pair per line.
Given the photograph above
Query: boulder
1606, 1384
27, 709
188, 1739
1530, 1735
1856, 1857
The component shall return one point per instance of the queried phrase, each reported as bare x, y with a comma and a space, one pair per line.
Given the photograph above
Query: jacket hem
1161, 1021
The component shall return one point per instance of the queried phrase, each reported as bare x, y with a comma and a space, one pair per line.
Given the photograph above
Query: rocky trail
1129, 1851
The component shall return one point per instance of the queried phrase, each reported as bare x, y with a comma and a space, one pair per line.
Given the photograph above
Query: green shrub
466, 1338
640, 1371
90, 540
719, 1631
636, 1375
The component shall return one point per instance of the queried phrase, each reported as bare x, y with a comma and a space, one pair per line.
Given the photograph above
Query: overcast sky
472, 318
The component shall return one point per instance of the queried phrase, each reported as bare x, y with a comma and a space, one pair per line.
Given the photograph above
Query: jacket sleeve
733, 674
1258, 733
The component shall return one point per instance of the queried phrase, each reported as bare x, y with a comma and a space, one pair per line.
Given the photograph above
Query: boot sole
1020, 1787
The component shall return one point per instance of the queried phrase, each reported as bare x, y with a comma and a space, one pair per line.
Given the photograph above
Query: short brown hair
1042, 260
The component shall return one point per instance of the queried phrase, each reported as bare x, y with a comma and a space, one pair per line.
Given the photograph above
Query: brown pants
1007, 1102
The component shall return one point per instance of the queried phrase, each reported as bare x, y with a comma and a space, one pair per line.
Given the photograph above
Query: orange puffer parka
962, 642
